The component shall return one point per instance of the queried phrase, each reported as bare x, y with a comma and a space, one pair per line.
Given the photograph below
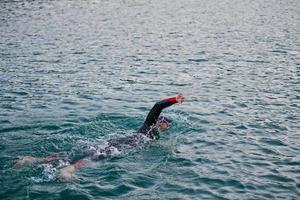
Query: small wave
273, 142
277, 177
197, 60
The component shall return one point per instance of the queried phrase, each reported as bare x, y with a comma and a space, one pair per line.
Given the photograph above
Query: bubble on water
48, 174
62, 163
36, 179
144, 138
92, 148
114, 151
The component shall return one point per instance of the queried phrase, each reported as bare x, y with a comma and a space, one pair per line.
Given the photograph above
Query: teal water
75, 73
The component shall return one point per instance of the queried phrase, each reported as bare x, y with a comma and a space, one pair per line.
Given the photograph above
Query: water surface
75, 73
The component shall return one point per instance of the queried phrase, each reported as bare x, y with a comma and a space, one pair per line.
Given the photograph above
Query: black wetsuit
148, 129
146, 133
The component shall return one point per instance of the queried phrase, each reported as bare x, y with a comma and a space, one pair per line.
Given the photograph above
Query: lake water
75, 73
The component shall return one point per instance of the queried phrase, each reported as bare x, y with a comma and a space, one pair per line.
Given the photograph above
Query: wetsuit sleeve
157, 108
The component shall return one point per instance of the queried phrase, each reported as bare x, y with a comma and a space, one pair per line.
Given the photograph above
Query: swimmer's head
163, 123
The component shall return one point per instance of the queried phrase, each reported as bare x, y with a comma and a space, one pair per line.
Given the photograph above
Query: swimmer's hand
68, 173
180, 98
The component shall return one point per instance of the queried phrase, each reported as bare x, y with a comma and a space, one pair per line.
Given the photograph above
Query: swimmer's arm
159, 106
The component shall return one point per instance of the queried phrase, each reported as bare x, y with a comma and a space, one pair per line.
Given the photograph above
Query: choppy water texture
76, 73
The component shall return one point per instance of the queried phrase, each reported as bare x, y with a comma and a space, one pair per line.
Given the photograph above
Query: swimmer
151, 128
